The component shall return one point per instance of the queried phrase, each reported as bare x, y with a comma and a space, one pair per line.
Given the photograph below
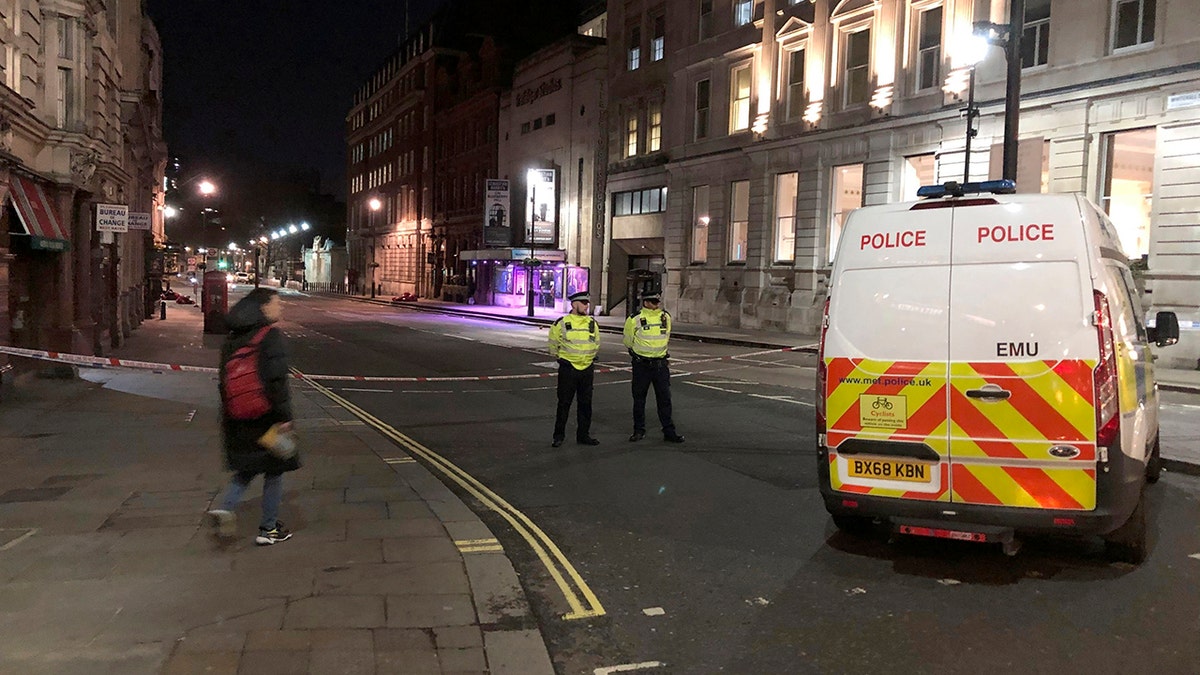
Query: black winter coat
242, 451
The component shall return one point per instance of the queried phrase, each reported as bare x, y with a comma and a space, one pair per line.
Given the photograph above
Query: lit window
929, 49
846, 196
700, 222
654, 142
1133, 23
858, 67
795, 84
657, 45
743, 12
739, 98
631, 135
702, 111
739, 222
1035, 41
1129, 186
918, 170
634, 59
786, 185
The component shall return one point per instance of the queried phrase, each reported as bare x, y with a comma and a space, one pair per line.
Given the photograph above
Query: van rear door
886, 355
1021, 352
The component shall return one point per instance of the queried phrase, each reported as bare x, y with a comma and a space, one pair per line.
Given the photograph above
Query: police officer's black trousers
572, 381
655, 372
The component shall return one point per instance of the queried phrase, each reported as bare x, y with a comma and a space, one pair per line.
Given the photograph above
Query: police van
985, 372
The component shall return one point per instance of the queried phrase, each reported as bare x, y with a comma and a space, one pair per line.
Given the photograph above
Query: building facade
551, 125
80, 125
780, 116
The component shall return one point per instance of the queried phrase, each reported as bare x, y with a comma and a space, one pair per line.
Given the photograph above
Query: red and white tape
102, 362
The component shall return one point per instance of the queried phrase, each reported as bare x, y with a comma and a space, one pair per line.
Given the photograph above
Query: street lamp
1009, 37
374, 205
974, 50
207, 188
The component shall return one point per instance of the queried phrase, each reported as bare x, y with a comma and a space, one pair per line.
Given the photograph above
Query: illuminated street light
207, 188
974, 48
274, 235
375, 204
305, 226
262, 239
170, 212
232, 246
293, 229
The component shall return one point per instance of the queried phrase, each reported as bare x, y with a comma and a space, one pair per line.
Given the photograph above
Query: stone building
779, 116
80, 125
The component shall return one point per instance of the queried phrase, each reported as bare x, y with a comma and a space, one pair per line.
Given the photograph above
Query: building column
83, 258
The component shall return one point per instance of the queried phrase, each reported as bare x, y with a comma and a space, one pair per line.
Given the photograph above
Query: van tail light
822, 372
1104, 377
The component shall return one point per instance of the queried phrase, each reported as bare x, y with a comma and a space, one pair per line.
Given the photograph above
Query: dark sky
263, 86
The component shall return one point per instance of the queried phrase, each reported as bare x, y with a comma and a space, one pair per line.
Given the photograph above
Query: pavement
108, 566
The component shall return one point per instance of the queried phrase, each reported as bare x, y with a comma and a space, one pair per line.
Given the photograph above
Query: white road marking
191, 416
29, 533
782, 399
428, 391
458, 337
399, 460
369, 391
709, 386
760, 601
645, 665
545, 364
1195, 556
654, 611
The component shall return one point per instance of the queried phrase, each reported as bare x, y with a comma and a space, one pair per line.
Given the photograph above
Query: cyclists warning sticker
882, 412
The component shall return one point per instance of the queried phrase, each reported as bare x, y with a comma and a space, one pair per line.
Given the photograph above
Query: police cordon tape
103, 362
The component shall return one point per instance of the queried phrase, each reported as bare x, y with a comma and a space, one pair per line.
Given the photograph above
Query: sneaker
637, 436
224, 522
673, 438
269, 537
588, 441
557, 443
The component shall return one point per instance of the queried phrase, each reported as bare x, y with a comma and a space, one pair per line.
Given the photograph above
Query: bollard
162, 310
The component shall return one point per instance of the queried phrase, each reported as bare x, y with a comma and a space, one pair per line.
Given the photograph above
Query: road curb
1180, 466
502, 607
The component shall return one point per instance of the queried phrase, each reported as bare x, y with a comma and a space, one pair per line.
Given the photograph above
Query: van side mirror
1165, 331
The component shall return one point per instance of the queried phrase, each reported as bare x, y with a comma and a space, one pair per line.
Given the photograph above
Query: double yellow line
583, 602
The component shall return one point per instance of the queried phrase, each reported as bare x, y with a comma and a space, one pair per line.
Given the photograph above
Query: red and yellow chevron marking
1001, 448
919, 387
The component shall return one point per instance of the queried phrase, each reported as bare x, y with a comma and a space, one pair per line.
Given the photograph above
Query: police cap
581, 296
651, 295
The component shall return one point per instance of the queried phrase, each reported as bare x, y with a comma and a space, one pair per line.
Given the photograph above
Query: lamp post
374, 204
975, 49
1009, 37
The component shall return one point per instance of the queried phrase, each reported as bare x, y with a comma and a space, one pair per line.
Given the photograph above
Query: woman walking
255, 400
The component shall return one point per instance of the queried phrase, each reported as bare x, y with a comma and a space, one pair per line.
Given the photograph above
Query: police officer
647, 334
574, 341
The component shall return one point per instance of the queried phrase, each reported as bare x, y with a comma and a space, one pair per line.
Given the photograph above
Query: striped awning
37, 216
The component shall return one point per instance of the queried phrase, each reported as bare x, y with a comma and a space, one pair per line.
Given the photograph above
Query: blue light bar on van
954, 189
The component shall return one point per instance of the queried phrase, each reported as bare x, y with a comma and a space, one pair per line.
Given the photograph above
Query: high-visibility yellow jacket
647, 333
576, 339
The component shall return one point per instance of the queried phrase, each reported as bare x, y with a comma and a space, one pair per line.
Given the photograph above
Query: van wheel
1128, 542
1154, 464
853, 524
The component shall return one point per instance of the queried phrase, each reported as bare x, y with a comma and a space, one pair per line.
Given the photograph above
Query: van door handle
989, 392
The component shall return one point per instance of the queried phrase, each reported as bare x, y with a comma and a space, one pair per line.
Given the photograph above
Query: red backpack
245, 393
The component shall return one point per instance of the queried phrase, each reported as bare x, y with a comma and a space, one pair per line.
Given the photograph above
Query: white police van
985, 372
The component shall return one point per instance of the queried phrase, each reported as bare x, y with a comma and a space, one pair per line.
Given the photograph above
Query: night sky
263, 87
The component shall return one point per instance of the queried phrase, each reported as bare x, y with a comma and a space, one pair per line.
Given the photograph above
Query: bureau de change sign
112, 218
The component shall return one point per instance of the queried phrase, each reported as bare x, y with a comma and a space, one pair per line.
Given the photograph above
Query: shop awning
37, 215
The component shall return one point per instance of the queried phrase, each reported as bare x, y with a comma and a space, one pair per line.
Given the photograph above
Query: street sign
112, 218
139, 221
497, 231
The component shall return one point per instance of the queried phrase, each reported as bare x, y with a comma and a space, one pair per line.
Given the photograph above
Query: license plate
890, 469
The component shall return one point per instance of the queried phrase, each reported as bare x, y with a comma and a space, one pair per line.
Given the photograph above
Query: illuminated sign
541, 199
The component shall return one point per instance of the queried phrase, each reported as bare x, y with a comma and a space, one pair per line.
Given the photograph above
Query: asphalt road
717, 555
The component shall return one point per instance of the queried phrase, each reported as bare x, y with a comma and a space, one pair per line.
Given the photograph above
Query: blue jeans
272, 496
